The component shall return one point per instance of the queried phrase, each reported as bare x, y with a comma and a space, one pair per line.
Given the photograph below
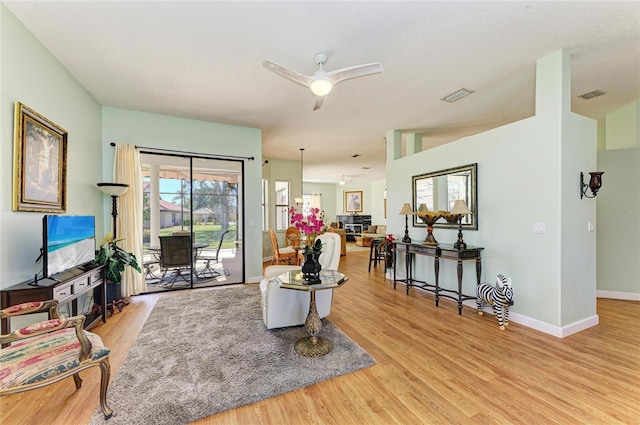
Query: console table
66, 288
441, 251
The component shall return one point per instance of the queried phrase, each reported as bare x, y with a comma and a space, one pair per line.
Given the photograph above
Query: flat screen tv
68, 241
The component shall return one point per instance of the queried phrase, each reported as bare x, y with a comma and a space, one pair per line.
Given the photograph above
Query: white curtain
316, 201
127, 169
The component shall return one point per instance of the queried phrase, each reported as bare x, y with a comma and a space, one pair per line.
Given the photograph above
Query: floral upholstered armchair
49, 351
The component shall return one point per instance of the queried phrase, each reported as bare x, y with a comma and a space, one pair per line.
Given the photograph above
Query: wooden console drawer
96, 276
63, 291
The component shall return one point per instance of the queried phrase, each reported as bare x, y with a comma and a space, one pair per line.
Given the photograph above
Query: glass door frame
239, 204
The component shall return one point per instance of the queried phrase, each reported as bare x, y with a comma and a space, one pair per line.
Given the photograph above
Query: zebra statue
499, 297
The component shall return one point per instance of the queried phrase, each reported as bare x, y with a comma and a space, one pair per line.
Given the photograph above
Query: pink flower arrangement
312, 224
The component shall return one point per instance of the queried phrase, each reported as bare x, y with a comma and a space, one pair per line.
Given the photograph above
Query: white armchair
286, 307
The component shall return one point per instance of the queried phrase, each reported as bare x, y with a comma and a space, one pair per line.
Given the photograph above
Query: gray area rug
205, 351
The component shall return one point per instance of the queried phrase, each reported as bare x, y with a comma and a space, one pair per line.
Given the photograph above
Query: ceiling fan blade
319, 101
355, 72
294, 76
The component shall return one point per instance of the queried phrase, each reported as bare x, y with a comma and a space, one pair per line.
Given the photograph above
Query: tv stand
66, 288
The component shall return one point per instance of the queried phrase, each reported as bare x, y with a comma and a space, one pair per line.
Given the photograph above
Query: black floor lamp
114, 190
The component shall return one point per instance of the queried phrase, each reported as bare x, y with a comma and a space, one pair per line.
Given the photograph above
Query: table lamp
406, 211
460, 208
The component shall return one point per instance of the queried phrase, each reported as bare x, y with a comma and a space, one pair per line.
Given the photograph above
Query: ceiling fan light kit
322, 82
321, 87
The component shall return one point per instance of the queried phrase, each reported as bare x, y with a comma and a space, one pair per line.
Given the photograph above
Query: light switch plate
538, 228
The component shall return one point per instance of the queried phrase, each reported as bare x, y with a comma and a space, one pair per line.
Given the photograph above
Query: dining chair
286, 255
292, 236
176, 255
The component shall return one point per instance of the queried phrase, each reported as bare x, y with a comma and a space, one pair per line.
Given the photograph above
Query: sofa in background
374, 231
343, 239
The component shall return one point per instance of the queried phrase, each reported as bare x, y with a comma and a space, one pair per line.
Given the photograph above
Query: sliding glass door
199, 198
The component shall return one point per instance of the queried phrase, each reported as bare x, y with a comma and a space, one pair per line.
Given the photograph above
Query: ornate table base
313, 345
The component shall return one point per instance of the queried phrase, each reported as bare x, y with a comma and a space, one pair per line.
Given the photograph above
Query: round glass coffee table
312, 345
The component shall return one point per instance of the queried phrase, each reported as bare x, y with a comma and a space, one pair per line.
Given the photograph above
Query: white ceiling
203, 60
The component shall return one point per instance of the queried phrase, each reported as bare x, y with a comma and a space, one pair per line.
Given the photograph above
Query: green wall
166, 132
29, 74
618, 204
527, 173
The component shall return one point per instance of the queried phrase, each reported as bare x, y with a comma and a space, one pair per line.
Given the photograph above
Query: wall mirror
440, 189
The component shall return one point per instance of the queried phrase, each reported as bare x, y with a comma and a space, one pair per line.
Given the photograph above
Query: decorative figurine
499, 297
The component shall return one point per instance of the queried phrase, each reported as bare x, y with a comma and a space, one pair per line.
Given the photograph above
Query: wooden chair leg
77, 380
105, 373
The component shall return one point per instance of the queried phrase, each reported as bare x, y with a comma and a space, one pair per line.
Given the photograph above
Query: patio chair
211, 259
176, 255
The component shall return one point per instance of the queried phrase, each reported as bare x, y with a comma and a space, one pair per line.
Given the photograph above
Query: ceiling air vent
457, 95
592, 94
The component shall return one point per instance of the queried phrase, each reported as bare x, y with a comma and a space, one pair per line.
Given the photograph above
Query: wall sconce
406, 211
114, 190
595, 183
460, 208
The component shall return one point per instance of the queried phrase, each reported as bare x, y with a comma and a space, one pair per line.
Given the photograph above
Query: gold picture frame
353, 201
39, 163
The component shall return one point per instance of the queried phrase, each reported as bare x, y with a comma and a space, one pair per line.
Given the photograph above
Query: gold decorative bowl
430, 218
451, 218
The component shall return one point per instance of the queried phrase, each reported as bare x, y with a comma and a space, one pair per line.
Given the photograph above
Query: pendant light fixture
300, 199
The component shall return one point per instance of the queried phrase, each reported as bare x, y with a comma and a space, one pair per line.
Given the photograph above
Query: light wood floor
433, 367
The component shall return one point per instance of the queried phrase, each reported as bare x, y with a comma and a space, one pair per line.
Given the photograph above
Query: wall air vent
592, 94
457, 95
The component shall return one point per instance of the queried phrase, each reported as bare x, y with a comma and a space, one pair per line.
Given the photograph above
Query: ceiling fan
321, 82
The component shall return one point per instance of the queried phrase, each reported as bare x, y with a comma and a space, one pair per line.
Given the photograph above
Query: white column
414, 143
154, 204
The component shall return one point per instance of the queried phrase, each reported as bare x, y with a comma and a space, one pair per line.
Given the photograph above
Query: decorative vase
311, 267
430, 218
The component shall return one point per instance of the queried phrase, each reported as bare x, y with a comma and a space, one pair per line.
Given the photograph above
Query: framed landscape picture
353, 201
40, 163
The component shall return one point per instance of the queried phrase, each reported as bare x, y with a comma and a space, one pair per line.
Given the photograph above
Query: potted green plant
115, 260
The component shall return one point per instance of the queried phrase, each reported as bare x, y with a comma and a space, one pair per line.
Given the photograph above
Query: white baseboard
557, 331
630, 296
254, 279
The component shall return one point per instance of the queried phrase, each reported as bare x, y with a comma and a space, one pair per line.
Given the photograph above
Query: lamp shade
423, 208
113, 189
406, 209
460, 208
